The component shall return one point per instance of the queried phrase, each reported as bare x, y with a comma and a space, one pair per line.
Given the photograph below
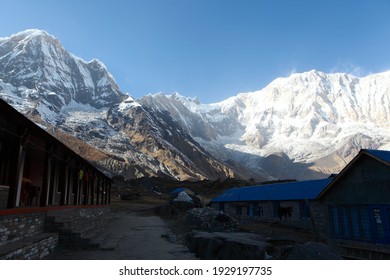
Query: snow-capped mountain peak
306, 116
28, 34
43, 71
81, 99
301, 126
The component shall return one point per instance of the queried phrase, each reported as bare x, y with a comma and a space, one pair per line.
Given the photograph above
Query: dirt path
132, 235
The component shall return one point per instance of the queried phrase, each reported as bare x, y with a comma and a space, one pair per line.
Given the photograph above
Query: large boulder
310, 251
228, 245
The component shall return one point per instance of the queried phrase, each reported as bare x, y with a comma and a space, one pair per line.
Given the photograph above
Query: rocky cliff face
37, 64
68, 95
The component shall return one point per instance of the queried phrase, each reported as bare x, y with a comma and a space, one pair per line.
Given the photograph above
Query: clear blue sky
212, 49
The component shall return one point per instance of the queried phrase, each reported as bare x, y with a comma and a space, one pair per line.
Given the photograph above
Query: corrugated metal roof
178, 190
281, 191
383, 155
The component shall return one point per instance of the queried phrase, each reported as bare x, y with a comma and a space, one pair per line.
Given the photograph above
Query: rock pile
209, 219
251, 246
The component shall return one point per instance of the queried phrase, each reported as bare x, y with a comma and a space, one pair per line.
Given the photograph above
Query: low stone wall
31, 234
250, 246
31, 248
18, 226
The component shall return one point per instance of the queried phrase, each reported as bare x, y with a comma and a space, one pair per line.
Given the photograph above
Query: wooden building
357, 207
37, 170
287, 203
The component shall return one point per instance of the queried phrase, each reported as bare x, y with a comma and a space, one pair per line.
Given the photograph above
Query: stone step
78, 231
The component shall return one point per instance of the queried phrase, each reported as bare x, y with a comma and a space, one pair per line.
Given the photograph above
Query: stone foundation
36, 247
31, 233
19, 226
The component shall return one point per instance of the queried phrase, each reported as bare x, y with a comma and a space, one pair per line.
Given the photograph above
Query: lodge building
356, 207
50, 196
37, 170
350, 212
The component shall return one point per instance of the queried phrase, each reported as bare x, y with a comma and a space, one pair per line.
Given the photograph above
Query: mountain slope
309, 123
37, 61
63, 92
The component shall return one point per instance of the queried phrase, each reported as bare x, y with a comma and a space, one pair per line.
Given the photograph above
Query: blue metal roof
178, 190
383, 155
280, 191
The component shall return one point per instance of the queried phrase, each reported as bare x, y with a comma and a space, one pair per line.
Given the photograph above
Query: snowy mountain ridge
68, 95
303, 126
306, 117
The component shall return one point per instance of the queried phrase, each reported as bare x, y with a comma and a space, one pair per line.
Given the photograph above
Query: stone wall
321, 219
31, 248
18, 226
32, 235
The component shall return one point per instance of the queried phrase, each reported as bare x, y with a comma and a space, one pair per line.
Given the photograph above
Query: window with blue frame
366, 225
355, 227
335, 222
351, 222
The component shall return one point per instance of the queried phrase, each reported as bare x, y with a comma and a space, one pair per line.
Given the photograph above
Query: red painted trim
13, 211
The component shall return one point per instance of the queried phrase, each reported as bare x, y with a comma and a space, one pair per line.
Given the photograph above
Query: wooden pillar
86, 187
102, 191
109, 192
93, 189
98, 189
106, 196
65, 190
75, 180
47, 177
12, 172
14, 200
54, 183
70, 185
19, 178
80, 176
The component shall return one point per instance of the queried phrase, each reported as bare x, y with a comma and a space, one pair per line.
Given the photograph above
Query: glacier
307, 117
